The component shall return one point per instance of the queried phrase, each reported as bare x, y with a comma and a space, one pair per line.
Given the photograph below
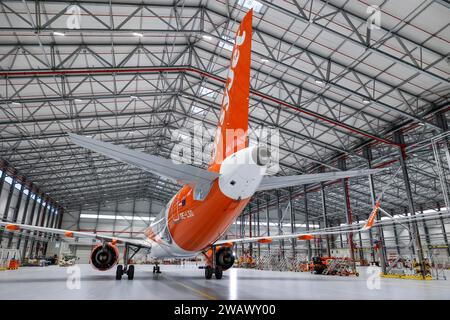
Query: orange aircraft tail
231, 133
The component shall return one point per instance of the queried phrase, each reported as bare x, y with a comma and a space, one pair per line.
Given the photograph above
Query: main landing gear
127, 269
217, 271
213, 268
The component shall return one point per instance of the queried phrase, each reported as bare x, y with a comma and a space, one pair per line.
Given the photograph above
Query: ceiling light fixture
56, 33
137, 34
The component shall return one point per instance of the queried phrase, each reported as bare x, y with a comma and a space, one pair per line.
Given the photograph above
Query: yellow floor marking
195, 290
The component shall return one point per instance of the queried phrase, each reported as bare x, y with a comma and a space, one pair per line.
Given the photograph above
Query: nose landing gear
127, 269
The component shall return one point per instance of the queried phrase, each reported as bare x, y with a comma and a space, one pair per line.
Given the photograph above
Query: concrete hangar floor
188, 283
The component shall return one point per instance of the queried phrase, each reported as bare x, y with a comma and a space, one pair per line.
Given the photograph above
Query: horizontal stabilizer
180, 173
276, 182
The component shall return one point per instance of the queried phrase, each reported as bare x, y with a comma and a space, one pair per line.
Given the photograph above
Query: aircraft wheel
208, 272
218, 273
119, 272
130, 272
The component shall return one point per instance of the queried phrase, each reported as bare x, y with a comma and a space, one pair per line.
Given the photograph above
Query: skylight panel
248, 4
206, 92
227, 43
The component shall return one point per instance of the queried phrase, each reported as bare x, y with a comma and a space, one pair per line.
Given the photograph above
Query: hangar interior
343, 89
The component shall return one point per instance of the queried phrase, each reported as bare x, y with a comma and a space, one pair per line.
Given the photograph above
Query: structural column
382, 247
442, 123
41, 224
348, 212
292, 222
444, 232
305, 193
324, 215
258, 230
425, 229
361, 249
16, 214
268, 219
397, 243
280, 222
250, 246
8, 203
30, 222
36, 223
25, 215
2, 180
398, 137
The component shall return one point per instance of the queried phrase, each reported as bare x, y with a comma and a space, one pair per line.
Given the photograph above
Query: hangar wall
17, 204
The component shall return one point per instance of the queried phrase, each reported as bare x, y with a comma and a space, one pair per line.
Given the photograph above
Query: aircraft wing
304, 235
275, 182
181, 173
15, 227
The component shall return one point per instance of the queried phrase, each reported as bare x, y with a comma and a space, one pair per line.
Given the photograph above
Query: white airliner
210, 201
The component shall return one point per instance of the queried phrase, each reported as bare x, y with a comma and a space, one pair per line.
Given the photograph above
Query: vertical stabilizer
231, 133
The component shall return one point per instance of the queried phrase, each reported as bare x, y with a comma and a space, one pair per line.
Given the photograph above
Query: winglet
372, 217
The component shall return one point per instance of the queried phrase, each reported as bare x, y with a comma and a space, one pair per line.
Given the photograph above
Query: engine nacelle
225, 258
104, 256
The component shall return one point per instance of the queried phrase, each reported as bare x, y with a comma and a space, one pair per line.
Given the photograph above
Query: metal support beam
441, 120
25, 214
280, 222
36, 223
250, 246
305, 193
324, 216
425, 229
268, 218
444, 232
16, 213
348, 213
30, 221
398, 137
258, 229
382, 247
2, 180
45, 213
361, 251
397, 243
292, 222
8, 203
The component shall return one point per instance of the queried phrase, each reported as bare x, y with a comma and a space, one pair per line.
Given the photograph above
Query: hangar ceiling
132, 72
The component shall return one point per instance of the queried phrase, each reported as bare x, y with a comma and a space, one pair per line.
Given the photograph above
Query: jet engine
104, 256
225, 258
